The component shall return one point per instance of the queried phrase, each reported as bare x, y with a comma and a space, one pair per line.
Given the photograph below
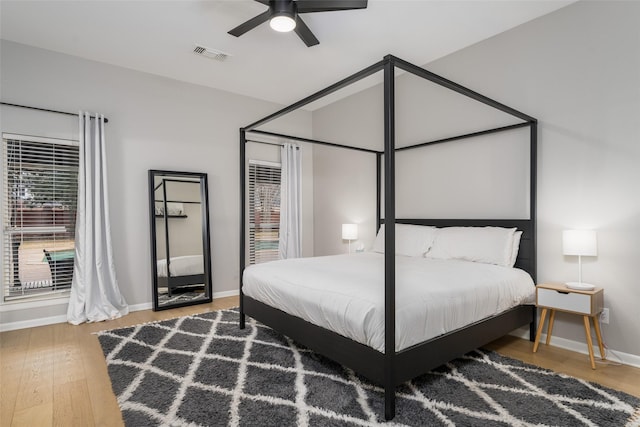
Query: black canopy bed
391, 368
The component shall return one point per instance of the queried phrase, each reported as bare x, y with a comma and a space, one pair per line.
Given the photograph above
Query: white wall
578, 71
154, 123
344, 193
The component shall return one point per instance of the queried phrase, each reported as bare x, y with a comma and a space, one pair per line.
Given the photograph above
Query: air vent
210, 53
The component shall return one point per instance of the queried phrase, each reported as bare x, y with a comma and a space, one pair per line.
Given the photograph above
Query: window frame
69, 166
256, 256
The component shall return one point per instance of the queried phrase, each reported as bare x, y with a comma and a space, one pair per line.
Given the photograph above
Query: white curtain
290, 242
94, 290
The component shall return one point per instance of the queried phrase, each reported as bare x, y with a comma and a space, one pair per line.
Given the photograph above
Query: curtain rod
45, 109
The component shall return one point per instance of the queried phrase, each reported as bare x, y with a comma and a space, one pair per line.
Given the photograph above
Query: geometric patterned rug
204, 370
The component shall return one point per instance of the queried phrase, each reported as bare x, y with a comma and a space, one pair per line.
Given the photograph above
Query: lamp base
580, 286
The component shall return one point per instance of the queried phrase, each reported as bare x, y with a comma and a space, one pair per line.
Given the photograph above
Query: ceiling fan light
282, 23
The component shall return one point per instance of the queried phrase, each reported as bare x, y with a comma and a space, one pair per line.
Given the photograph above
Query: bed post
243, 145
389, 242
533, 162
378, 188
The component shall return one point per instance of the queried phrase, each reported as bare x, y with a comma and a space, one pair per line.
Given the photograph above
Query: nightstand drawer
570, 301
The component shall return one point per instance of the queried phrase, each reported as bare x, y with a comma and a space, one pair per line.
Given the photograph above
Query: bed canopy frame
391, 368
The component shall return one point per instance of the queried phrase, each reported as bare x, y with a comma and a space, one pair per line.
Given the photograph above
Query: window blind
264, 211
40, 185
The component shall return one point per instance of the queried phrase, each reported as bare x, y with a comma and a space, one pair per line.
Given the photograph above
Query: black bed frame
391, 368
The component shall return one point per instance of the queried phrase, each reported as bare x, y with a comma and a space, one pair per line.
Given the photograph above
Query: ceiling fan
283, 16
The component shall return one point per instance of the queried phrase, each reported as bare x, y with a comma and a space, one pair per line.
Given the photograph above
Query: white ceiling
158, 37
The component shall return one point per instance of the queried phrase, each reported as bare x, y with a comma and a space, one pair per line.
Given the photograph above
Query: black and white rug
204, 370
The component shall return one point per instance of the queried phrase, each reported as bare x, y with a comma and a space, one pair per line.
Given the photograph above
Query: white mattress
345, 293
182, 266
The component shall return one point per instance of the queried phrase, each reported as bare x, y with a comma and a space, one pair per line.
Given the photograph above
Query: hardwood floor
56, 375
608, 373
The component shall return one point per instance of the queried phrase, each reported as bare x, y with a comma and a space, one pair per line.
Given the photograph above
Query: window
264, 211
40, 186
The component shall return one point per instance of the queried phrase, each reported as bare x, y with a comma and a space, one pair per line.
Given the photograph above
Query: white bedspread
182, 265
345, 293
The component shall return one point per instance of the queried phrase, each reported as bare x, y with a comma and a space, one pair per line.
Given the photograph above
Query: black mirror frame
206, 235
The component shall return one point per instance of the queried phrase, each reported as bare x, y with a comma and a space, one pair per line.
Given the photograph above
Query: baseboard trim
224, 294
581, 347
140, 307
62, 318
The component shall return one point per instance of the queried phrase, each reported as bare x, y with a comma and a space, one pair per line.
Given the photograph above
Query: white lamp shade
349, 231
579, 242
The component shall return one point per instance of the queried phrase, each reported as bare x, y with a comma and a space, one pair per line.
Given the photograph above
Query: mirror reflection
180, 238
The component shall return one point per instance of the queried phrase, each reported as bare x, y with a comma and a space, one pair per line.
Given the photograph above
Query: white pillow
490, 245
411, 240
515, 247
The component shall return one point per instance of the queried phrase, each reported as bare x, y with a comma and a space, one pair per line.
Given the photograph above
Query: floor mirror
180, 254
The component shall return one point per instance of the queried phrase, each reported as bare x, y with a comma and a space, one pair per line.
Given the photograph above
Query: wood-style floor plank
13, 351
36, 383
607, 373
67, 358
70, 405
102, 401
57, 375
38, 415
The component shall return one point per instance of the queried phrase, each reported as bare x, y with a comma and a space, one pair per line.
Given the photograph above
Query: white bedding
182, 266
345, 293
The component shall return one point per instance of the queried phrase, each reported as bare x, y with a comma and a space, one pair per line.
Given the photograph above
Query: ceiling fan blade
305, 33
251, 24
263, 2
306, 6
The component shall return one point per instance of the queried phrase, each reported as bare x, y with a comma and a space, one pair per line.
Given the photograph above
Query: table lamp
349, 232
579, 243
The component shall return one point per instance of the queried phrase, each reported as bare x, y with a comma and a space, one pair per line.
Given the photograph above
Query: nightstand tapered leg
550, 328
596, 325
587, 329
537, 341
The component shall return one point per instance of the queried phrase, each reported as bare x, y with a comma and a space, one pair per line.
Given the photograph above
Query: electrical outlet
604, 316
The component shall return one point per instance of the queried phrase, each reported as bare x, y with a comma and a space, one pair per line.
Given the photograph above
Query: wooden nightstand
589, 304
